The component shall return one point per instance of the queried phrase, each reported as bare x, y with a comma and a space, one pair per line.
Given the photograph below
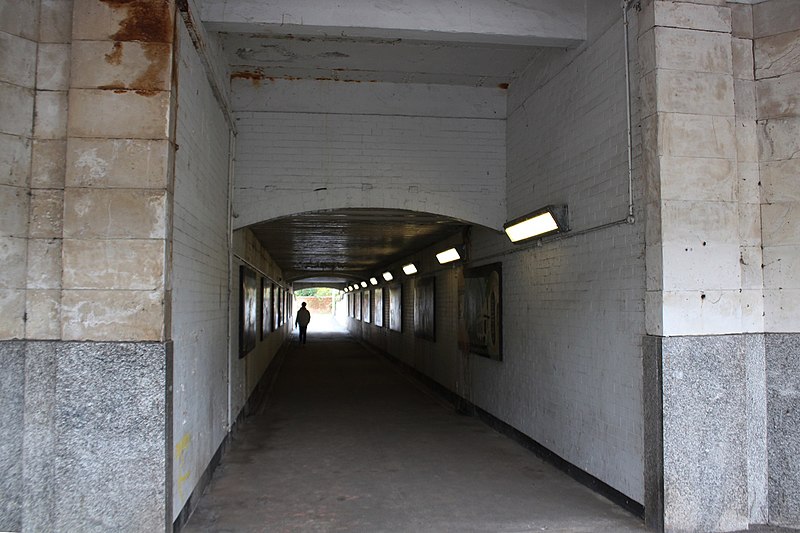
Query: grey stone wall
93, 422
783, 427
12, 377
701, 432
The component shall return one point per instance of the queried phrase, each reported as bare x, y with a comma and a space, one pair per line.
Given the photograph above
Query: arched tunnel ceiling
477, 43
348, 244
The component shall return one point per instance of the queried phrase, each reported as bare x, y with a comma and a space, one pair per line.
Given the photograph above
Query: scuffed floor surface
345, 443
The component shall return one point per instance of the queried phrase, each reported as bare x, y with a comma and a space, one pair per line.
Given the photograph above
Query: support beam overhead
531, 22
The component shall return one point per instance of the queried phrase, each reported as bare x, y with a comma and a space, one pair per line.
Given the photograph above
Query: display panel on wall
367, 306
378, 312
266, 307
482, 311
396, 308
357, 305
276, 303
281, 315
424, 308
248, 309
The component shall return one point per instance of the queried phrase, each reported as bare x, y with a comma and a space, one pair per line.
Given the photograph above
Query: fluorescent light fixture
346, 289
410, 269
388, 276
545, 221
448, 256
364, 284
374, 281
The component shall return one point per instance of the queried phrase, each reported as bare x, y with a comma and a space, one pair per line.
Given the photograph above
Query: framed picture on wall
281, 297
425, 308
248, 310
367, 295
276, 303
357, 305
377, 314
266, 307
482, 310
396, 308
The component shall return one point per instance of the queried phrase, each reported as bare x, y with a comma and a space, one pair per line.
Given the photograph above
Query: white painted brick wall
573, 309
199, 276
291, 162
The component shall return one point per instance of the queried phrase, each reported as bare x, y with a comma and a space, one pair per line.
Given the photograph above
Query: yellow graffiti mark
181, 481
180, 453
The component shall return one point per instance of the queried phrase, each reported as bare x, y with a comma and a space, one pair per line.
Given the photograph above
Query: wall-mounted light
374, 281
347, 289
387, 276
409, 269
448, 256
364, 284
545, 221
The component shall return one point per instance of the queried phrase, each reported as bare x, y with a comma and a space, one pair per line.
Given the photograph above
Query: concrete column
97, 362
19, 27
776, 38
703, 267
118, 180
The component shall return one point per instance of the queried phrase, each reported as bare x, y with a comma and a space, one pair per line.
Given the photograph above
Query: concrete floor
346, 443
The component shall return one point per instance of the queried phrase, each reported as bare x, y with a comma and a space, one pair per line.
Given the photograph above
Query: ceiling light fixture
410, 269
388, 276
448, 256
374, 281
364, 284
542, 222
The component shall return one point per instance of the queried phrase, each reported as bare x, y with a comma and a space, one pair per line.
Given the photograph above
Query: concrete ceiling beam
507, 22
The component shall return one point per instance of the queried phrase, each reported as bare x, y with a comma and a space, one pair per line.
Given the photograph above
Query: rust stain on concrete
503, 86
114, 57
159, 56
145, 20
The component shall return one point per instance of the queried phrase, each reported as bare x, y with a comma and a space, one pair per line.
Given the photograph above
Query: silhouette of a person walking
302, 320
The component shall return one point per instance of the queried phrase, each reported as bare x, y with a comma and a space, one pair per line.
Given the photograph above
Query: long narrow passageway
346, 443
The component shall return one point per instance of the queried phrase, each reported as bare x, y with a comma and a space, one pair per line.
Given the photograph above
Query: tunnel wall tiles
573, 320
200, 275
420, 160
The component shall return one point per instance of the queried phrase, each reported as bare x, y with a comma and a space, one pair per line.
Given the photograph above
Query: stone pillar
97, 407
19, 28
776, 38
703, 278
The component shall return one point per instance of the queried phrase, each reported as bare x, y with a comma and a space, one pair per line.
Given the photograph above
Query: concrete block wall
19, 35
200, 272
312, 145
776, 27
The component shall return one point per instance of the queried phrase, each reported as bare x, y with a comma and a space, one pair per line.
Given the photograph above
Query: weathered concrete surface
347, 444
